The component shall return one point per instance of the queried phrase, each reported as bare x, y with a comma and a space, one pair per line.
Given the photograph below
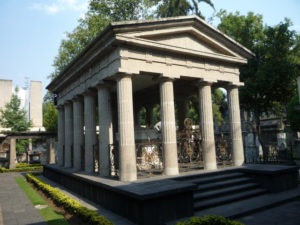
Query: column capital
69, 102
105, 84
233, 85
89, 92
77, 98
118, 76
164, 79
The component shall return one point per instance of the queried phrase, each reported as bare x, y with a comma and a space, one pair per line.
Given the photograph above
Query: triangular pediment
189, 34
187, 38
189, 41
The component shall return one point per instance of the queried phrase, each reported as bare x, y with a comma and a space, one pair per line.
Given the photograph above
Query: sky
31, 30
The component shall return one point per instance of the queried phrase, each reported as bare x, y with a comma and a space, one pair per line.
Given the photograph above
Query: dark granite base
159, 200
153, 202
275, 178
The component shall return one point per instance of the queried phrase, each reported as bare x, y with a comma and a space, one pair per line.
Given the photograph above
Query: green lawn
49, 214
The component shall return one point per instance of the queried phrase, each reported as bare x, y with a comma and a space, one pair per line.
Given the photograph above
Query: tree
12, 116
99, 15
50, 116
270, 76
170, 8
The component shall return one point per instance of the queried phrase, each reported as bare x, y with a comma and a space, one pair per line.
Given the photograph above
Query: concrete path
15, 207
287, 214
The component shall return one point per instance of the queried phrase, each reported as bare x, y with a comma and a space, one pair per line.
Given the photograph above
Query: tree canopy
50, 116
12, 116
102, 12
270, 77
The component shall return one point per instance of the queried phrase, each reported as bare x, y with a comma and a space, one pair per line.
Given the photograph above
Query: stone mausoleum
140, 64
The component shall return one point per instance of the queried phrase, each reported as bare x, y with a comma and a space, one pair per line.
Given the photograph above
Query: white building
31, 101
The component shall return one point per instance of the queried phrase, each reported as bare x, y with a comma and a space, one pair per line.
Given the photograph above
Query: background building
31, 101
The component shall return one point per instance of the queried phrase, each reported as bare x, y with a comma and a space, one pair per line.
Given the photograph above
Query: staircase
223, 187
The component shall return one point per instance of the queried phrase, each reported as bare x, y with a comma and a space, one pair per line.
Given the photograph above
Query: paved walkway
15, 207
286, 214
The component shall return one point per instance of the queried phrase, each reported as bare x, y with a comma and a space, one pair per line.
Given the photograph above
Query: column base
171, 171
238, 162
128, 177
210, 166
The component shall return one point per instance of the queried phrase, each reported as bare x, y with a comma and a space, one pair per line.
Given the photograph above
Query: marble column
235, 125
51, 151
207, 126
90, 131
12, 154
68, 134
127, 154
78, 131
61, 135
105, 129
168, 125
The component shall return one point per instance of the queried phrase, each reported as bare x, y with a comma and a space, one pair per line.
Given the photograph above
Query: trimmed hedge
21, 165
87, 215
209, 220
21, 169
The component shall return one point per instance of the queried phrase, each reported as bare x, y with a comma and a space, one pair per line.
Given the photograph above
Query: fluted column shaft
235, 125
68, 133
61, 135
127, 154
105, 130
168, 125
207, 126
90, 131
78, 132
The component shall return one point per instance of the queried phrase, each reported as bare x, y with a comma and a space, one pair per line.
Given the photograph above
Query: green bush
87, 215
21, 169
209, 220
20, 165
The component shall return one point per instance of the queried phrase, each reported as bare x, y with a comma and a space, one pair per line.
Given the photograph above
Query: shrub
21, 169
87, 215
209, 220
20, 165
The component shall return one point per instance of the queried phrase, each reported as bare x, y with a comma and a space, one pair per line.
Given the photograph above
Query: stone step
207, 174
216, 178
227, 199
221, 184
248, 206
224, 191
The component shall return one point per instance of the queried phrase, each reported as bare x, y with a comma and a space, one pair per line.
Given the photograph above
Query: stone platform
158, 200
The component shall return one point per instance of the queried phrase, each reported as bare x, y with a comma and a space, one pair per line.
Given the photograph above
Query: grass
49, 214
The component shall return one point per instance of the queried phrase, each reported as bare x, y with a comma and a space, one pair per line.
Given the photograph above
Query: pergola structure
142, 63
28, 135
